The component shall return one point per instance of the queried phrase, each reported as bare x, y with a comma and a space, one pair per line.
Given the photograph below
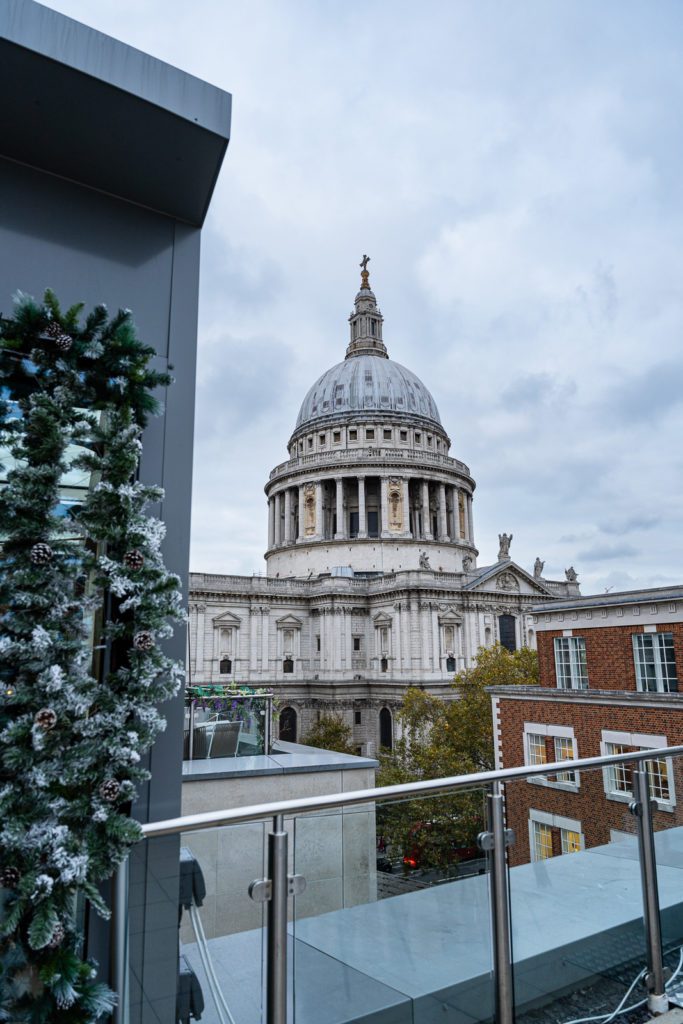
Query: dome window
353, 435
370, 434
429, 440
373, 327
321, 440
387, 435
404, 435
310, 442
336, 436
418, 438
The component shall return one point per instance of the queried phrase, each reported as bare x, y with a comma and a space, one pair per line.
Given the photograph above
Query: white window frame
639, 741
553, 821
639, 641
576, 678
555, 732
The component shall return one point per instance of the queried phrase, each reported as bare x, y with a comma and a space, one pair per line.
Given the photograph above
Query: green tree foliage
442, 738
330, 733
73, 729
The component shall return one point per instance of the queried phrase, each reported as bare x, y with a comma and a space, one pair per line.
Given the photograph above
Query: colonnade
357, 507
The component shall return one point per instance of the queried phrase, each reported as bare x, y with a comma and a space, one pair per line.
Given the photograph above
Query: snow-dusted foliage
84, 602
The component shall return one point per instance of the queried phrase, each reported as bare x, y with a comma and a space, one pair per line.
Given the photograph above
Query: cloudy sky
514, 171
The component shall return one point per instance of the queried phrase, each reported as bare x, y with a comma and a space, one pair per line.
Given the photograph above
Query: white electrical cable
216, 991
606, 1018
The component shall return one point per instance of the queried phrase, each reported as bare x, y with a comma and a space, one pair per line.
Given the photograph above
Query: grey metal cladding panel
99, 56
61, 121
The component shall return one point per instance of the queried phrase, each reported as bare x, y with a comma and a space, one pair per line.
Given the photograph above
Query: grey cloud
607, 552
536, 389
638, 522
650, 394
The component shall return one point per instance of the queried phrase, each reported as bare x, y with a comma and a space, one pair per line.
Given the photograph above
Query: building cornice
630, 698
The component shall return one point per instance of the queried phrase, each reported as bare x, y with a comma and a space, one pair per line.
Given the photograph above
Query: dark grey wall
84, 212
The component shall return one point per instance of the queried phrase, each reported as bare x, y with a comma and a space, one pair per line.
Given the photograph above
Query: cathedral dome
366, 383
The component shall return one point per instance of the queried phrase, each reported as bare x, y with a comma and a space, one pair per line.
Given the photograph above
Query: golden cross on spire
364, 273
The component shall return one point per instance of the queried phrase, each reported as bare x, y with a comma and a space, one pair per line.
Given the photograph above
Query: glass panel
222, 723
575, 893
221, 940
394, 922
667, 823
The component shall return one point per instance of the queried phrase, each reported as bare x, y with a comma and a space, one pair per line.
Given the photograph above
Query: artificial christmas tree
72, 738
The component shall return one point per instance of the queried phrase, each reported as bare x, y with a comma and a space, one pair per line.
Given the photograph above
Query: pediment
381, 619
507, 579
226, 619
289, 622
450, 618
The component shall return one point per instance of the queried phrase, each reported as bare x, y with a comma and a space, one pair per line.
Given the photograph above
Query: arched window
288, 725
507, 632
384, 665
225, 667
450, 664
386, 732
487, 636
288, 665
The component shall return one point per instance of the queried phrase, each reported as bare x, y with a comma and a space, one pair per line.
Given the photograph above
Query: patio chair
225, 739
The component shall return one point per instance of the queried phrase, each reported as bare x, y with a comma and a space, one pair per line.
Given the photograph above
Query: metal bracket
636, 809
485, 839
649, 979
261, 889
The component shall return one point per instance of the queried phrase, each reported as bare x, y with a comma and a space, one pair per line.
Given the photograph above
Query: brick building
609, 667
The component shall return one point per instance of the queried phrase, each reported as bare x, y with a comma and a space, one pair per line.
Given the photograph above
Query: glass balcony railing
222, 722
549, 892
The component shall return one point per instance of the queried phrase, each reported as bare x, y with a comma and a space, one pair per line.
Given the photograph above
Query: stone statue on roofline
538, 569
571, 574
504, 540
424, 560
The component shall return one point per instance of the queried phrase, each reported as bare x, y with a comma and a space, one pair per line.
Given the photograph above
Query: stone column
396, 645
348, 639
470, 523
319, 529
199, 644
425, 632
362, 517
435, 640
340, 533
384, 506
453, 526
265, 660
288, 516
406, 507
271, 523
279, 522
443, 525
301, 512
426, 515
253, 639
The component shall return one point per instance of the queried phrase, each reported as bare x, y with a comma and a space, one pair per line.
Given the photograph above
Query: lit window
571, 841
619, 777
542, 840
564, 751
570, 663
536, 749
655, 662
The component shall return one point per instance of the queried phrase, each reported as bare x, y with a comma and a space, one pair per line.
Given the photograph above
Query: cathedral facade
372, 578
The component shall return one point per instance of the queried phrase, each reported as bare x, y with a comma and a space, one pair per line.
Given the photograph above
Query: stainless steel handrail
429, 787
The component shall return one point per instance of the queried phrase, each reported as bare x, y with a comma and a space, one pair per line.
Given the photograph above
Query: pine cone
10, 877
58, 936
143, 641
46, 718
109, 790
54, 332
134, 559
64, 342
41, 554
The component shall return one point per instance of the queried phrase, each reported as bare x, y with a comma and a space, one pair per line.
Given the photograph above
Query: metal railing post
268, 726
657, 1000
191, 749
495, 842
276, 983
118, 954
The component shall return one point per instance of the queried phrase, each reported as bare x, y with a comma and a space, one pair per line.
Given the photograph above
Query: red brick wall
589, 805
609, 654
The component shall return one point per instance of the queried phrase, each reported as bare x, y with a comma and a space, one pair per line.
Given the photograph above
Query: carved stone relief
395, 498
309, 510
507, 581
